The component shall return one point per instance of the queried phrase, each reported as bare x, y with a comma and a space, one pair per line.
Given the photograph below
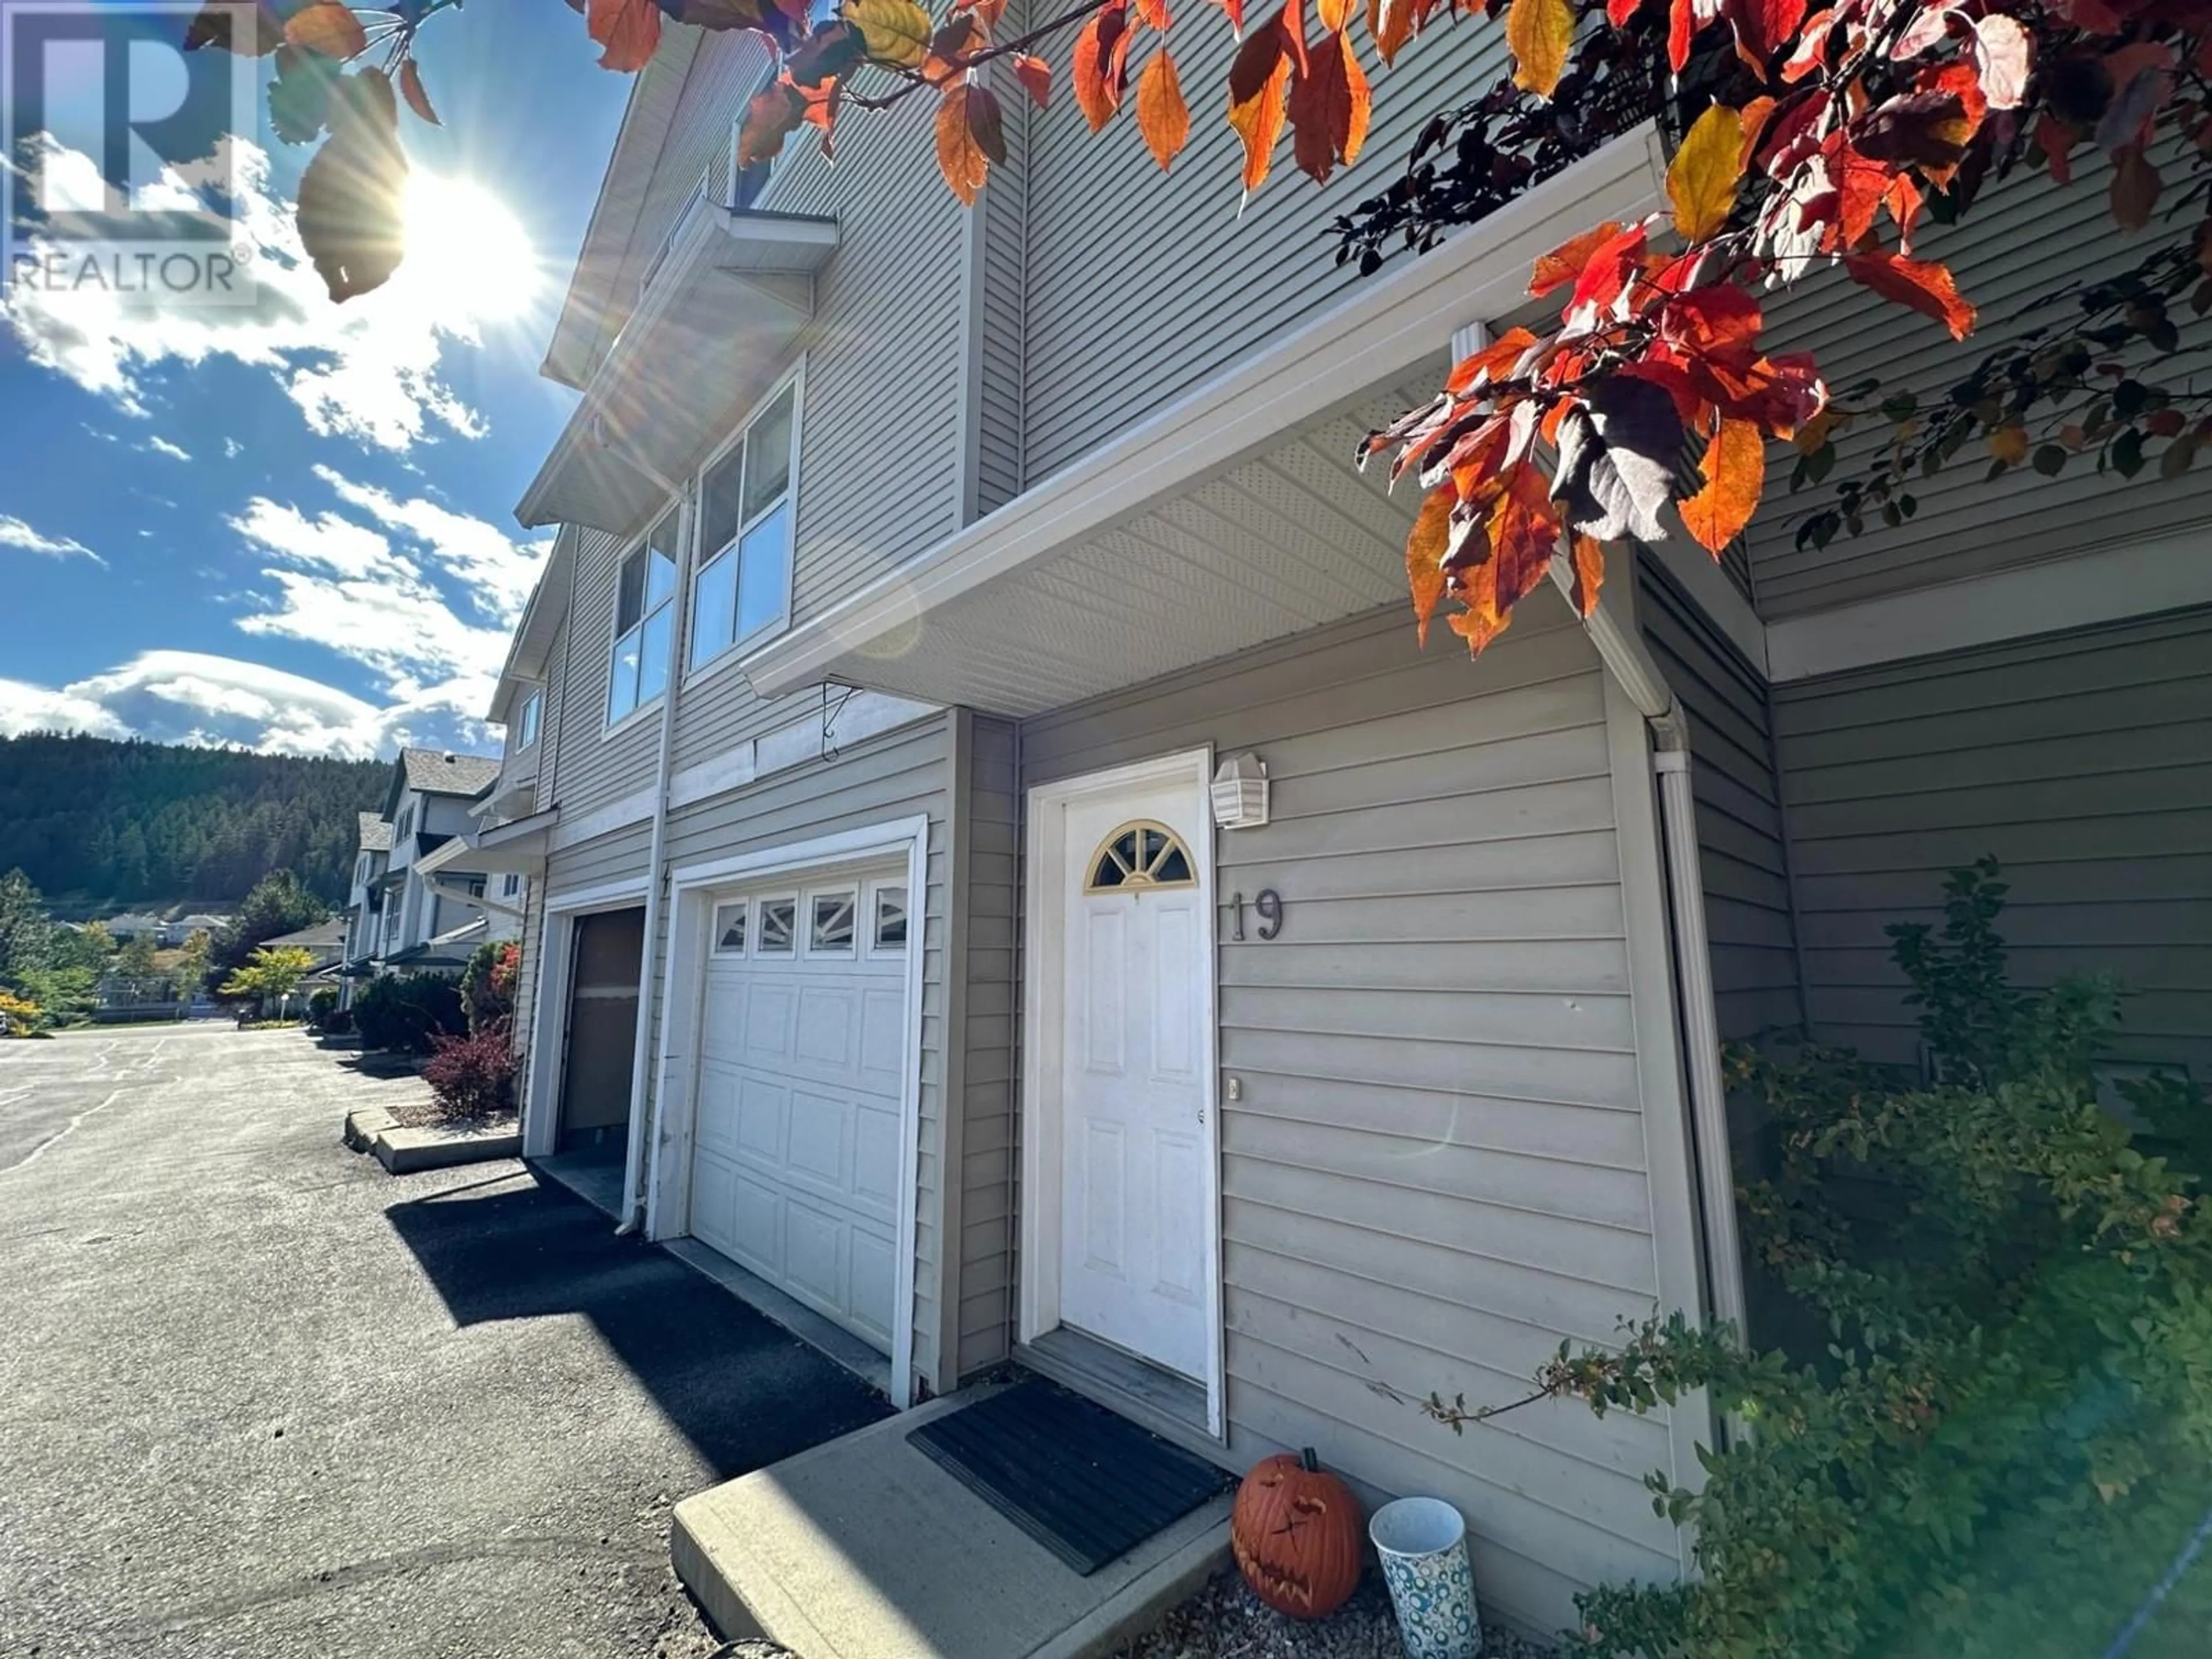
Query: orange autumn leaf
1702, 179
1495, 359
1590, 573
1425, 557
1564, 263
410, 89
1035, 76
1735, 469
1539, 33
1391, 23
1259, 93
1335, 14
970, 136
1161, 115
327, 27
1923, 284
627, 30
1099, 65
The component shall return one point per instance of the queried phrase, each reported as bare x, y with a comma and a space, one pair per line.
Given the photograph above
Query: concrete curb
362, 1126
403, 1150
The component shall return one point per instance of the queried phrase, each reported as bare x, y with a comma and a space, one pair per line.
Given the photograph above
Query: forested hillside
98, 821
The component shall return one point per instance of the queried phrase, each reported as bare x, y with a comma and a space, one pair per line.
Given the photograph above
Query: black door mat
1088, 1486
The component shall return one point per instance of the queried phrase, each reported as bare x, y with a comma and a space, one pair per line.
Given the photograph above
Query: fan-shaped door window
1140, 855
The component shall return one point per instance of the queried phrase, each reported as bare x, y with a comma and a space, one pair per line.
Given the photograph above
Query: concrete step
863, 1548
403, 1152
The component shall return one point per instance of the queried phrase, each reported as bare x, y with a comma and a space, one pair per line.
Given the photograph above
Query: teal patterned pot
1422, 1542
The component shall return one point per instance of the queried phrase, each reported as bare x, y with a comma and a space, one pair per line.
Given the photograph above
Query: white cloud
232, 449
14, 532
368, 370
163, 447
192, 696
497, 571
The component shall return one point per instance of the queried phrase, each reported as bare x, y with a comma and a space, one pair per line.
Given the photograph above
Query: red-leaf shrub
472, 1076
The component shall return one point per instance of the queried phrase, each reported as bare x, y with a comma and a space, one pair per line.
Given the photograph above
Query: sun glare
466, 249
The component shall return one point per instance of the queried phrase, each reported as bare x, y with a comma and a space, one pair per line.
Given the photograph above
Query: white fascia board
1389, 324
2109, 585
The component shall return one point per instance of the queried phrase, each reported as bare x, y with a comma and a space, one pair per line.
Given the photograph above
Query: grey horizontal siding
1141, 286
1436, 1170
590, 768
1742, 858
2083, 760
999, 307
902, 774
2025, 240
620, 856
990, 876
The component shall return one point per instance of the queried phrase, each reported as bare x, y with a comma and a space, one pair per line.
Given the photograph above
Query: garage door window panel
776, 930
730, 928
834, 918
888, 912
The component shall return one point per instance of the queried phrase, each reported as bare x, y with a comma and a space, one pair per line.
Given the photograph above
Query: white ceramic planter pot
1422, 1542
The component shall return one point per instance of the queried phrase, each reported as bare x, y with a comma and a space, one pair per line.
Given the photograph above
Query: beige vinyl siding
592, 768
525, 984
1742, 858
2025, 240
2081, 760
1438, 1168
721, 714
1141, 286
902, 774
990, 860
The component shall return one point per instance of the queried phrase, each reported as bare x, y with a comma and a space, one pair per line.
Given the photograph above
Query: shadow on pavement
743, 1392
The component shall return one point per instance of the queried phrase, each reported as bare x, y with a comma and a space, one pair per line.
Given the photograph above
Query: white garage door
803, 1040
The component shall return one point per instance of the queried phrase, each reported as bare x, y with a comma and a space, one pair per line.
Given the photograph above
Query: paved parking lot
258, 1398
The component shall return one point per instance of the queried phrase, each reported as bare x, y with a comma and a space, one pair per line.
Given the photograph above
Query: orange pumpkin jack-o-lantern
1295, 1532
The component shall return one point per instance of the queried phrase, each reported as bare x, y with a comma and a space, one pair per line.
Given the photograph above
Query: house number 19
1269, 904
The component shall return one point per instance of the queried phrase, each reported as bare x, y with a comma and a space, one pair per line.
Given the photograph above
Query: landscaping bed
1225, 1620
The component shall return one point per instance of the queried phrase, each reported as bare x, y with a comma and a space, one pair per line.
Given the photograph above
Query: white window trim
794, 381
611, 726
541, 1101
537, 698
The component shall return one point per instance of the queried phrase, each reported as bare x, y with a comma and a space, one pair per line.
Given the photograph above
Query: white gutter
1630, 662
634, 1161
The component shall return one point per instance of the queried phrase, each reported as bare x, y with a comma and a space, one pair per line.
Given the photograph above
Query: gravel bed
429, 1115
1225, 1620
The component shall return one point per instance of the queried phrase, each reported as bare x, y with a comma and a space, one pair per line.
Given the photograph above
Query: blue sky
291, 526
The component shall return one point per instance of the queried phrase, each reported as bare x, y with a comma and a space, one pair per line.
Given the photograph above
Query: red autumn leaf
1618, 12
1923, 284
1328, 106
1524, 533
627, 30
2056, 140
1152, 12
1719, 323
1259, 94
1564, 263
774, 113
2136, 187
410, 89
1681, 28
1161, 115
1763, 28
1926, 129
1606, 272
1100, 64
1425, 557
1735, 469
1035, 76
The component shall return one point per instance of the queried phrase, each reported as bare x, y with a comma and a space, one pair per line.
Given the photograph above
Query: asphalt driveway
258, 1398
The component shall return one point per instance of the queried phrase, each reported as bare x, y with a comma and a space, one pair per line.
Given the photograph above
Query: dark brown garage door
602, 1029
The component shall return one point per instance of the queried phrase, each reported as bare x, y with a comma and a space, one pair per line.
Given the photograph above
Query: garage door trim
668, 1198
541, 1098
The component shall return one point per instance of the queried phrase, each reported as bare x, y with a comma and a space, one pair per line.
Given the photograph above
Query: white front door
1135, 1264
802, 1040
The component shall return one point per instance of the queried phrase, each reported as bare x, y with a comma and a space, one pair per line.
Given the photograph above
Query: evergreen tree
26, 934
278, 904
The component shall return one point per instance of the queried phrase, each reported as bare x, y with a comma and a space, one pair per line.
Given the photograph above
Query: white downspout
632, 1220
1630, 662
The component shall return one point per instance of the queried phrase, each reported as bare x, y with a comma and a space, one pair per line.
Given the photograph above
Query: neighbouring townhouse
1000, 873
418, 903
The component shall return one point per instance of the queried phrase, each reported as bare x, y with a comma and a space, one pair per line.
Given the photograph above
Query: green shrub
488, 983
405, 1010
2006, 1434
322, 1003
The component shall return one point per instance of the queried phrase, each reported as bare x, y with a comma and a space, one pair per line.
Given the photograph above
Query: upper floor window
645, 590
743, 584
526, 722
406, 827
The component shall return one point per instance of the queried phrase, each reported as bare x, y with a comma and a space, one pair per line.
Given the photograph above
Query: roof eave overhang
734, 292
1390, 324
